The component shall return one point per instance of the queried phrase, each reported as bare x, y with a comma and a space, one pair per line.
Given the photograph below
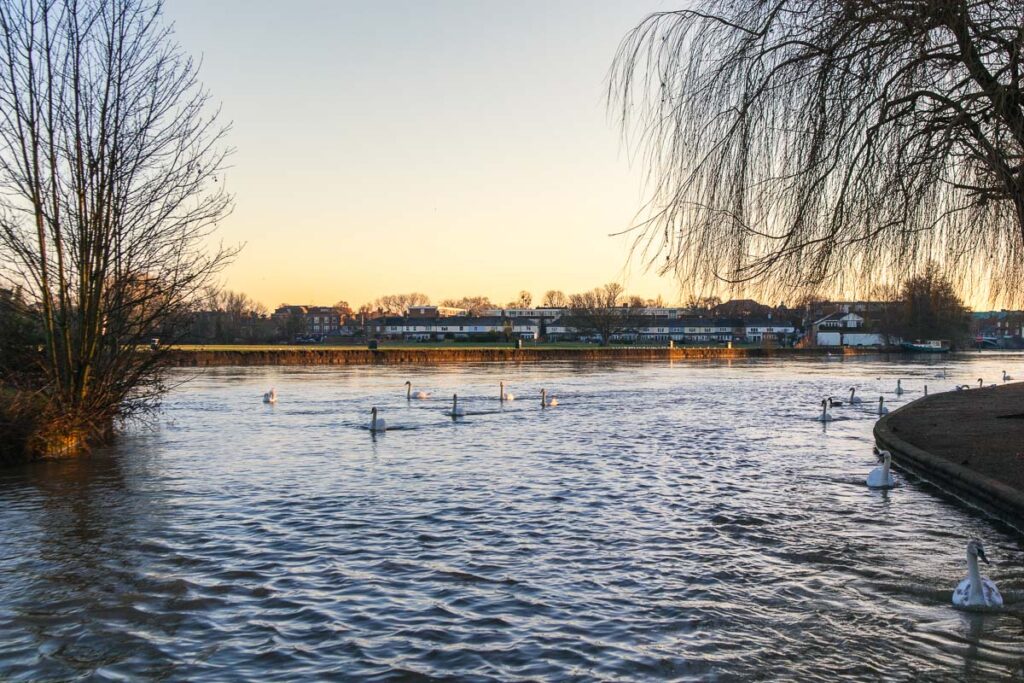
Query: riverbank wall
226, 356
970, 444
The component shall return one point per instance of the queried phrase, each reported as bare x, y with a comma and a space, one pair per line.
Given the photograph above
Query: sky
451, 147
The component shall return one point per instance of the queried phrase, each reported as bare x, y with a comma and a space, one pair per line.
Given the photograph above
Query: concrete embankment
968, 443
226, 356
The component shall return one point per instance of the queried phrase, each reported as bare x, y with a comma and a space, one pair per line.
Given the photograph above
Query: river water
665, 521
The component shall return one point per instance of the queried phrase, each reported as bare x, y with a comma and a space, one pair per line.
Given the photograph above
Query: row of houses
845, 325
564, 328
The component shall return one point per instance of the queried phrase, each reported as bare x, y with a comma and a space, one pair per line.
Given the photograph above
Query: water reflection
665, 521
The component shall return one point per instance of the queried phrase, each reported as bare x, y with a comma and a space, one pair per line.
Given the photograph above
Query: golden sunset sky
449, 147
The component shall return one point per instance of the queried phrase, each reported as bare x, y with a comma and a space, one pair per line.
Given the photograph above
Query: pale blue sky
450, 147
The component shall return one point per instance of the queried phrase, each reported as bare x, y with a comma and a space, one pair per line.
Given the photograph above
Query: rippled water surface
683, 521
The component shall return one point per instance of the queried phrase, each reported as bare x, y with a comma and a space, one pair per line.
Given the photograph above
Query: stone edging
969, 486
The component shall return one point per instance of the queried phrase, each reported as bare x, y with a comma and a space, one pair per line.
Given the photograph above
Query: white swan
457, 410
546, 402
1006, 378
880, 477
410, 394
833, 403
270, 396
377, 424
854, 399
941, 375
882, 410
976, 590
504, 395
825, 415
899, 387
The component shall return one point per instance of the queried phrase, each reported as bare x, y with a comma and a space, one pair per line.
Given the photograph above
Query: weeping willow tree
799, 142
109, 165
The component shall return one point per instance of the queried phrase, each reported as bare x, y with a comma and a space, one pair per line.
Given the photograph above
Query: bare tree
475, 305
598, 312
554, 298
790, 141
109, 189
398, 304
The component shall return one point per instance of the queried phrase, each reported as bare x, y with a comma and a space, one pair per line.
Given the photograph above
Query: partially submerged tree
109, 189
791, 141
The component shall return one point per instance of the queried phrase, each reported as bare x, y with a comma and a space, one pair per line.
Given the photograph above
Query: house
317, 321
767, 330
435, 311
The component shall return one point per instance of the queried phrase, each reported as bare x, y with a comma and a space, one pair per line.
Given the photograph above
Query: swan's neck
886, 464
976, 595
408, 391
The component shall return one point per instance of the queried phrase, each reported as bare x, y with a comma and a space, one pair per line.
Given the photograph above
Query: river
683, 521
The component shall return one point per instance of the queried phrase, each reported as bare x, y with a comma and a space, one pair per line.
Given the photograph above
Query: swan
546, 402
880, 477
504, 395
270, 396
854, 399
962, 387
981, 382
899, 387
832, 402
825, 415
377, 424
457, 410
1006, 378
882, 410
976, 590
410, 394
941, 375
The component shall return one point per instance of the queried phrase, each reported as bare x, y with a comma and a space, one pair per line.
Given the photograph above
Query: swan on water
976, 590
1006, 378
854, 399
825, 415
410, 394
882, 410
270, 396
546, 402
941, 375
504, 395
881, 477
832, 403
377, 424
457, 410
899, 387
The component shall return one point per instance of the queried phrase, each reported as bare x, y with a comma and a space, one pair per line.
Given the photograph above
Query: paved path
969, 442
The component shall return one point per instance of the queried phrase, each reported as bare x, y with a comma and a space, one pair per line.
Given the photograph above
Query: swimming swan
854, 399
976, 590
504, 395
546, 402
1006, 378
457, 410
882, 410
832, 403
410, 394
825, 415
270, 396
377, 424
899, 387
880, 477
